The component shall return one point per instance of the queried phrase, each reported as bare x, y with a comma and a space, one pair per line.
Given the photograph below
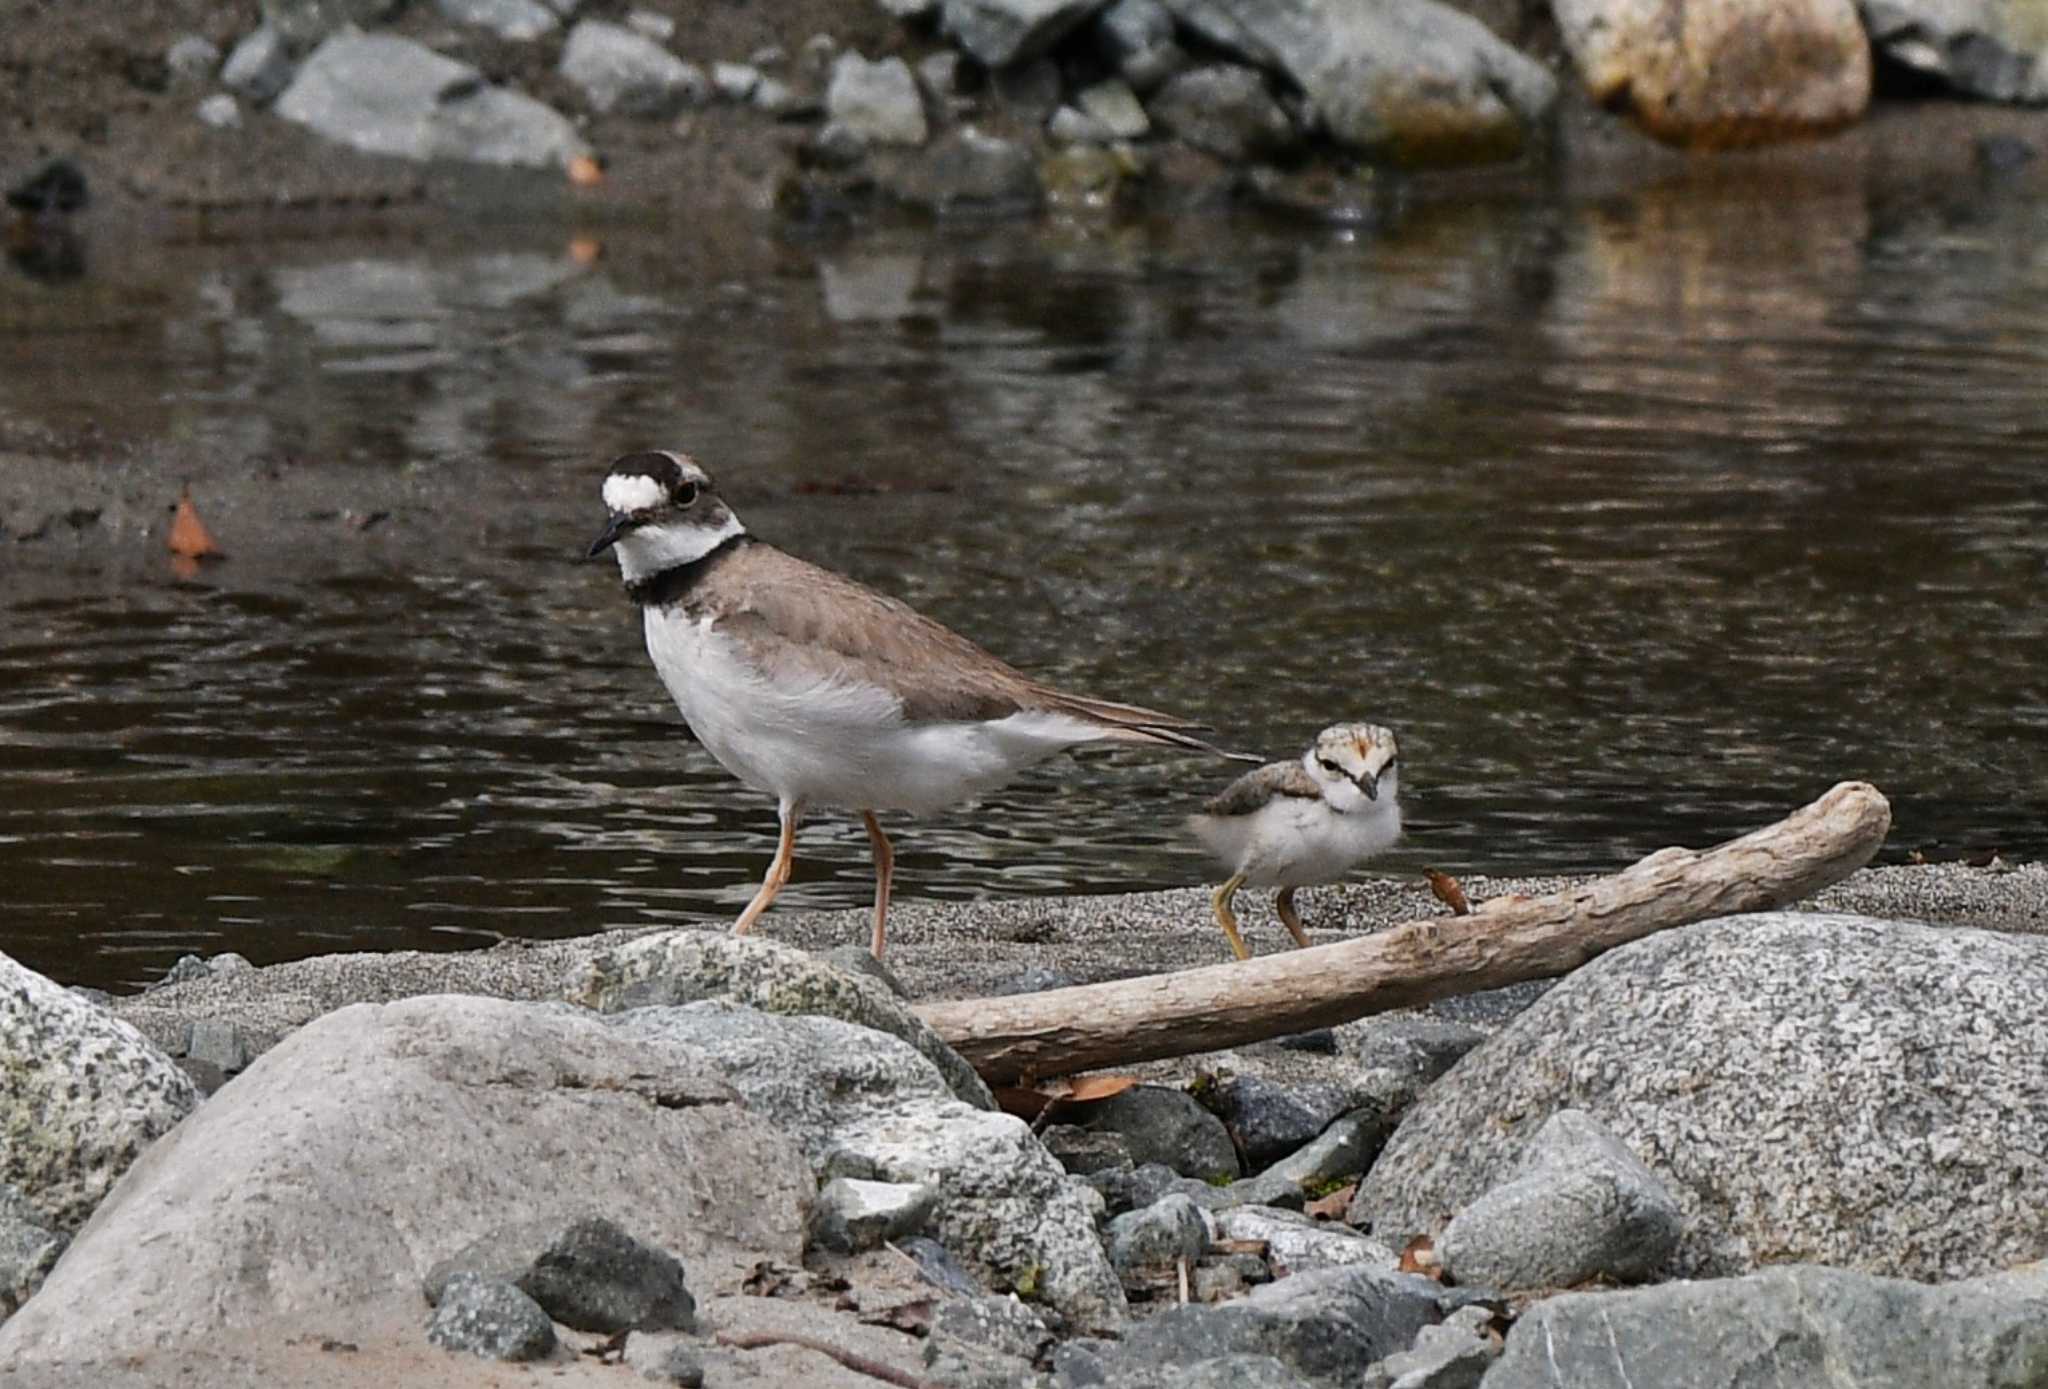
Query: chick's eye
686, 494
1330, 766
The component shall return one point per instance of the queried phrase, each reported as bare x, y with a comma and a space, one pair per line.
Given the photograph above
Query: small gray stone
1455, 1355
1116, 107
939, 75
491, 1319
1225, 110
1129, 1189
771, 55
910, 11
736, 82
1082, 1151
619, 70
228, 962
878, 101
858, 959
1584, 1207
772, 96
836, 145
28, 1250
817, 53
1344, 1148
666, 1358
259, 68
1001, 33
186, 969
1030, 92
1169, 1230
217, 1040
192, 59
1165, 1126
659, 27
304, 23
1271, 1121
520, 21
587, 1273
1071, 127
1136, 37
1033, 979
852, 1215
1001, 1325
1295, 1243
937, 1267
1324, 1324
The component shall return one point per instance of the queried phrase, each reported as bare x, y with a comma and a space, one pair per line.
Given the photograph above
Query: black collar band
665, 586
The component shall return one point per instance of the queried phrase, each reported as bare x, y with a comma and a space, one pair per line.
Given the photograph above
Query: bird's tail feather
1132, 723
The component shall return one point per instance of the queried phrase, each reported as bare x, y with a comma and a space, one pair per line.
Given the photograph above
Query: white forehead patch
632, 492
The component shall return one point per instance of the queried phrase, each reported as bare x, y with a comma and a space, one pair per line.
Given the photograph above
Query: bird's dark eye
1331, 767
686, 494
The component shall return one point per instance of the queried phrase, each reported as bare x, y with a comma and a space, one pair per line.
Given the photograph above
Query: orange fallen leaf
585, 171
1034, 1101
1419, 1256
1448, 892
189, 537
1332, 1206
584, 250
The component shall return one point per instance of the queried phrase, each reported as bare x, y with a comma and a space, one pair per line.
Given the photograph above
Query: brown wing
810, 623
1260, 785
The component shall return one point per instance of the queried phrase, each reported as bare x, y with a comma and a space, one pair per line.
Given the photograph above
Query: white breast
829, 742
1295, 842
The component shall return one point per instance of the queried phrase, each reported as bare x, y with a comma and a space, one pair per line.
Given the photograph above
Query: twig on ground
852, 1360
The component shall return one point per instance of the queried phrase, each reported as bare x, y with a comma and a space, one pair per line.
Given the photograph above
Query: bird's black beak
1368, 782
614, 528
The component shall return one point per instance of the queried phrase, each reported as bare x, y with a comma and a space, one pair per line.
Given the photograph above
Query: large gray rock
1226, 110
1270, 1120
388, 95
1583, 1208
1326, 1325
999, 33
323, 1183
1738, 72
851, 1215
877, 101
1987, 48
686, 966
82, 1096
867, 1106
1454, 1355
1791, 1326
1409, 80
1811, 1087
620, 70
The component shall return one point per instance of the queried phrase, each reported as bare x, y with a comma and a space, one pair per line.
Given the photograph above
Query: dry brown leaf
584, 250
913, 1318
1419, 1256
585, 171
1332, 1206
189, 537
1031, 1102
1448, 892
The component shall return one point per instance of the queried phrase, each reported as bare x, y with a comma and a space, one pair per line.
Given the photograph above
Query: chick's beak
614, 528
1369, 782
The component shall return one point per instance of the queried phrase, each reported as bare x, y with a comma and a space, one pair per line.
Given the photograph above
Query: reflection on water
1641, 522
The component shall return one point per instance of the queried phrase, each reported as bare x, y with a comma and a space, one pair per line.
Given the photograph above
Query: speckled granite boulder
83, 1095
686, 966
1833, 1089
865, 1105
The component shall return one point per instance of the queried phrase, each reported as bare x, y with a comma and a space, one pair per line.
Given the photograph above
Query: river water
1641, 520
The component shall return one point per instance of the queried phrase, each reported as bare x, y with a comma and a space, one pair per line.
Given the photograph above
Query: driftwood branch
1504, 941
852, 1360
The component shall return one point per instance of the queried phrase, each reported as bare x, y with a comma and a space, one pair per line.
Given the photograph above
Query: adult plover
821, 691
1294, 824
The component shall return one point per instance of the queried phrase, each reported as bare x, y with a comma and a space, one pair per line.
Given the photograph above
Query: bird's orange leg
1284, 904
778, 869
885, 868
1220, 901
